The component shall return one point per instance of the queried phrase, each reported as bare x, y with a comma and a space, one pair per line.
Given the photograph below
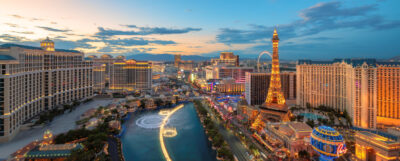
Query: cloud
17, 16
334, 10
321, 38
135, 41
11, 24
23, 32
11, 38
52, 29
143, 31
314, 20
106, 49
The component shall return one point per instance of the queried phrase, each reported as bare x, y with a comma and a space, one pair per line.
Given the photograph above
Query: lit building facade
107, 61
354, 85
177, 59
229, 86
226, 59
34, 80
223, 72
295, 136
130, 75
371, 146
183, 64
99, 77
257, 85
388, 77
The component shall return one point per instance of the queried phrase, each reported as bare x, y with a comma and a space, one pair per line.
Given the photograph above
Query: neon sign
341, 149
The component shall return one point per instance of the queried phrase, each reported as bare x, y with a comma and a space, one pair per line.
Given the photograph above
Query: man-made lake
141, 139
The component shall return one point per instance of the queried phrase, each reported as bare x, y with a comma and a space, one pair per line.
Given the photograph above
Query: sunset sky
307, 28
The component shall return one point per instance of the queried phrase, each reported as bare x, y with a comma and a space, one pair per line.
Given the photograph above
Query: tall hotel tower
275, 95
368, 90
33, 80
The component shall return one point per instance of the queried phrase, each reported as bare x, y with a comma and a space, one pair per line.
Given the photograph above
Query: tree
300, 118
310, 123
168, 103
142, 103
304, 154
308, 106
158, 102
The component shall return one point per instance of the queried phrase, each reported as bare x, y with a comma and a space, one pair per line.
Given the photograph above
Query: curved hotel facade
34, 80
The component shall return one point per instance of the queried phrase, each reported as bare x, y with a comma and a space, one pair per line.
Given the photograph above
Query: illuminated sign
341, 149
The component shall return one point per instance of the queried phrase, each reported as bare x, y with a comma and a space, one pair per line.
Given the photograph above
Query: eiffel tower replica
275, 108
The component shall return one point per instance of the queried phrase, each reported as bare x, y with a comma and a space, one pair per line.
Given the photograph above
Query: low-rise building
373, 146
294, 135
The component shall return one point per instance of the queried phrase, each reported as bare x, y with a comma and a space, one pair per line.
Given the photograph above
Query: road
234, 143
60, 124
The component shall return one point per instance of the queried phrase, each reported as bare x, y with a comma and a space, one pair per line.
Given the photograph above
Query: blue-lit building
328, 143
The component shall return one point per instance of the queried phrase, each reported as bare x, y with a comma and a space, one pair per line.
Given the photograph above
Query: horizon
308, 29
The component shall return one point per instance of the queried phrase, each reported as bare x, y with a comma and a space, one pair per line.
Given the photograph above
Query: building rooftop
378, 138
300, 127
58, 152
9, 45
355, 62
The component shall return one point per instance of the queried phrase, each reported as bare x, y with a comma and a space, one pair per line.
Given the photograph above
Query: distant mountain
166, 57
396, 58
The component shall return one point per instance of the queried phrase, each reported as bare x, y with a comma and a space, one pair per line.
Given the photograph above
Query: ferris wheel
259, 56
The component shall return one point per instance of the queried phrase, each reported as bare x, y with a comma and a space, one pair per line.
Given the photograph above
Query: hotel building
372, 146
99, 77
363, 87
223, 72
229, 86
34, 80
295, 136
388, 82
182, 64
130, 75
226, 59
257, 84
103, 62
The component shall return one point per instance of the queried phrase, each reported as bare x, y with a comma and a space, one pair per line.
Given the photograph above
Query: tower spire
275, 95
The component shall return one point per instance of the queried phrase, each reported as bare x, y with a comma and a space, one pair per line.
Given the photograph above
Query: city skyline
310, 29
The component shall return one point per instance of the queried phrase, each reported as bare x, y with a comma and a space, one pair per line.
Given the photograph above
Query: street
234, 143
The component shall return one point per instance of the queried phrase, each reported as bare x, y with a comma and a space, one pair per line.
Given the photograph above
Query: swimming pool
312, 116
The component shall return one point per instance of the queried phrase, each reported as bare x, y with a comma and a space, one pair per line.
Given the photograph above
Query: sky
308, 29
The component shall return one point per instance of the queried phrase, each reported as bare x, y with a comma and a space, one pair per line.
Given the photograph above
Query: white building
33, 80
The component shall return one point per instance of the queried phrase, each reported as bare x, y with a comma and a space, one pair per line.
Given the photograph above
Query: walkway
113, 149
60, 124
234, 143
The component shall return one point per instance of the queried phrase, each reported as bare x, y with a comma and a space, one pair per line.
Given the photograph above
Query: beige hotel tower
33, 80
368, 90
